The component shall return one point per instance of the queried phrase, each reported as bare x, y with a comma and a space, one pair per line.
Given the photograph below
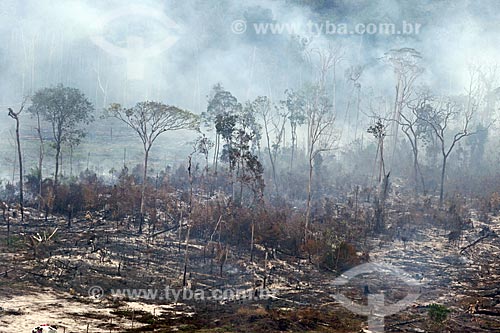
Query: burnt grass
112, 255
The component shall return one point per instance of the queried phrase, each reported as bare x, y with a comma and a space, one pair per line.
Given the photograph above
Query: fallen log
402, 323
474, 242
166, 230
6, 272
488, 312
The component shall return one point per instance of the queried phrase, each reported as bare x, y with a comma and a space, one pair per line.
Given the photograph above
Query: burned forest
260, 166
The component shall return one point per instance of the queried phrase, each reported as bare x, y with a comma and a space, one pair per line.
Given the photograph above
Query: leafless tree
353, 74
274, 127
320, 120
41, 154
405, 63
15, 115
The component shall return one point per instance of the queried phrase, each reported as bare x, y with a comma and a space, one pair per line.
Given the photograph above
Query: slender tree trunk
190, 183
415, 169
216, 154
358, 100
419, 177
14, 169
40, 162
143, 189
58, 154
252, 241
271, 158
8, 230
422, 180
294, 143
241, 172
308, 205
186, 257
443, 173
397, 111
382, 164
71, 161
15, 116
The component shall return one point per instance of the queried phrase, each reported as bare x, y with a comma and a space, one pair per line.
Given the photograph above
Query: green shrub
438, 313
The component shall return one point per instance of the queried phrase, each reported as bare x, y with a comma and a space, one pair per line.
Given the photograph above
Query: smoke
46, 42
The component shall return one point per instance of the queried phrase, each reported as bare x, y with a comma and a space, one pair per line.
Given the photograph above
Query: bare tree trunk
252, 241
415, 171
216, 154
15, 116
382, 164
294, 144
8, 230
443, 173
143, 190
380, 204
71, 161
419, 177
186, 257
21, 190
308, 205
58, 153
40, 161
271, 158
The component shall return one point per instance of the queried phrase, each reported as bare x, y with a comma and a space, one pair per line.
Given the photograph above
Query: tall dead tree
405, 63
273, 128
353, 74
320, 120
15, 116
41, 154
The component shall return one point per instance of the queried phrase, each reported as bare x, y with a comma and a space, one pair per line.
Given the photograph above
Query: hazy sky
46, 42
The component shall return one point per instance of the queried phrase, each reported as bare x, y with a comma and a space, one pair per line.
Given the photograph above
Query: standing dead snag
186, 255
406, 63
186, 258
15, 116
263, 107
320, 120
379, 204
6, 218
149, 120
41, 155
